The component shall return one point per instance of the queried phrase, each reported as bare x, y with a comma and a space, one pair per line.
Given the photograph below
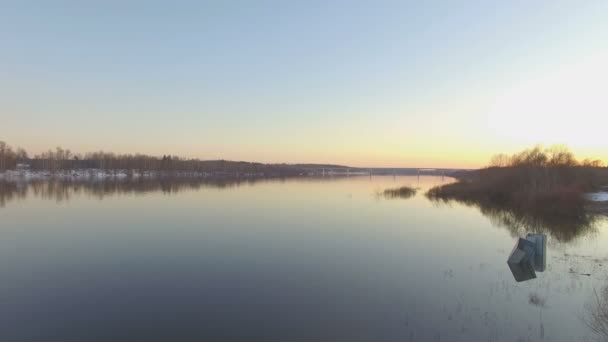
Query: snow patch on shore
98, 174
71, 174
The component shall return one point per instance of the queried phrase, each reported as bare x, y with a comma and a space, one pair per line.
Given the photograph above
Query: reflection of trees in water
10, 191
520, 221
62, 189
561, 228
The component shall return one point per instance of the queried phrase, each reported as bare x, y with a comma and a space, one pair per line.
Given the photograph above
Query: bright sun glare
566, 104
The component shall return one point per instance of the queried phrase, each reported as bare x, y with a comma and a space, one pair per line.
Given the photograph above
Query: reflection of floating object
528, 256
540, 255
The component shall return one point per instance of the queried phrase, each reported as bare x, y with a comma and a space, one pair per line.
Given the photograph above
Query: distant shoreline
24, 173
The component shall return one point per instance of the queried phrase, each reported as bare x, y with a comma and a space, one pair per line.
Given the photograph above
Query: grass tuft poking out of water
401, 192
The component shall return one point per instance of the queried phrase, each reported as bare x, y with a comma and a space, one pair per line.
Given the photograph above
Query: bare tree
2, 155
500, 160
592, 163
560, 155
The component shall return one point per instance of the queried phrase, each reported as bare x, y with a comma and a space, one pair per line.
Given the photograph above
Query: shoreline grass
401, 192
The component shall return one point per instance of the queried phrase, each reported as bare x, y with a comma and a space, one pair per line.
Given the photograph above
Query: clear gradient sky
375, 83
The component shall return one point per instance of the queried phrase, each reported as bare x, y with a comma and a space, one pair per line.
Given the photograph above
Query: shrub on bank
547, 181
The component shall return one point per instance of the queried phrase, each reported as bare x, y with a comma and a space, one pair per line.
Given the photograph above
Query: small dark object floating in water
584, 274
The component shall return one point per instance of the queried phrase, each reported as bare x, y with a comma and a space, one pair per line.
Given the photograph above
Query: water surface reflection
280, 260
520, 222
61, 190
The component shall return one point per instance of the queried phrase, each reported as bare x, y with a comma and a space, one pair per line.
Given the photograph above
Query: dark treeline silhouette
63, 159
537, 180
9, 157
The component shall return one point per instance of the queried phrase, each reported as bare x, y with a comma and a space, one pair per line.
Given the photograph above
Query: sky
372, 83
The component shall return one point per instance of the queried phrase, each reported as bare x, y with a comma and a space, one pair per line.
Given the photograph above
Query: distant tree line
9, 158
63, 159
554, 156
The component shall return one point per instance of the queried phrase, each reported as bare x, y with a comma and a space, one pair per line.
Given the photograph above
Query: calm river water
327, 259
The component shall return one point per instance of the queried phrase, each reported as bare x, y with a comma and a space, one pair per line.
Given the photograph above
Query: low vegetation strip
539, 180
401, 192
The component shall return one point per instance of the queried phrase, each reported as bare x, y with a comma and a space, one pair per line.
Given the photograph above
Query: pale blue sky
361, 83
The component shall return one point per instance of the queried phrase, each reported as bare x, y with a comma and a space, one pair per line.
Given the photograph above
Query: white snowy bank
91, 174
98, 174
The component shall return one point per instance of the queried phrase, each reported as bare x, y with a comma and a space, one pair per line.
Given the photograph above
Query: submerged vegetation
401, 192
596, 314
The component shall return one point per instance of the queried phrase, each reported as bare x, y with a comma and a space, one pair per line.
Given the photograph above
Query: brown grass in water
401, 192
